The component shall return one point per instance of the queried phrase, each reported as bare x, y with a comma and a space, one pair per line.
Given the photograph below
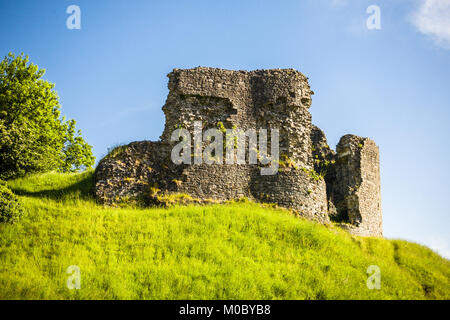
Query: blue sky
392, 84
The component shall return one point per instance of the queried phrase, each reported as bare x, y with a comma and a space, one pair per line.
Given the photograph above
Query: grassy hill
238, 250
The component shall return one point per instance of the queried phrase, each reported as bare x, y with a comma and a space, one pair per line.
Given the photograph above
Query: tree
33, 136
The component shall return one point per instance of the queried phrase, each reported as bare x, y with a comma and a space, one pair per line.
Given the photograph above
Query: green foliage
154, 190
116, 151
230, 251
76, 153
10, 206
286, 162
221, 127
313, 174
170, 199
62, 188
34, 138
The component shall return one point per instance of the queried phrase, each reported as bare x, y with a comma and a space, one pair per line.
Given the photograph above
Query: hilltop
300, 172
236, 250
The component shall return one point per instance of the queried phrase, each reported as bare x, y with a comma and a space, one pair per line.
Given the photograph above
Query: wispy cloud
432, 18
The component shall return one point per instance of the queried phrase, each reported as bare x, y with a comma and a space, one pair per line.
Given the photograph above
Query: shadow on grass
81, 189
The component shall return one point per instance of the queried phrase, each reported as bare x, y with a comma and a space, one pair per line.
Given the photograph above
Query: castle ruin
312, 179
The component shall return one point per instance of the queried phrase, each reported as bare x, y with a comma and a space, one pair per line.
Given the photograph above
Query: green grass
230, 251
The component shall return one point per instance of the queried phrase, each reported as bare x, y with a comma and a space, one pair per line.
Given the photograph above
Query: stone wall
312, 180
294, 189
245, 100
355, 186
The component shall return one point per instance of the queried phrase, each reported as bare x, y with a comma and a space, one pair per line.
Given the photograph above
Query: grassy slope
232, 251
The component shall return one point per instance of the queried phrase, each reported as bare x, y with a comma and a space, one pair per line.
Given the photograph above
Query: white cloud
432, 18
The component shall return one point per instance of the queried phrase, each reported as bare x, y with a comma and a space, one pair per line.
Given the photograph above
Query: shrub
10, 206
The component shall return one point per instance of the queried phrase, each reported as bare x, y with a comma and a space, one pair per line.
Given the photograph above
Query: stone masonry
312, 179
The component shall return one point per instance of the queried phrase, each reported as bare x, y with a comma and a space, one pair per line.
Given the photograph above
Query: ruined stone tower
312, 179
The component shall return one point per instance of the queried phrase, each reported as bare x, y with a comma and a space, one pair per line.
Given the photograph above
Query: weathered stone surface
355, 186
129, 171
246, 100
313, 180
